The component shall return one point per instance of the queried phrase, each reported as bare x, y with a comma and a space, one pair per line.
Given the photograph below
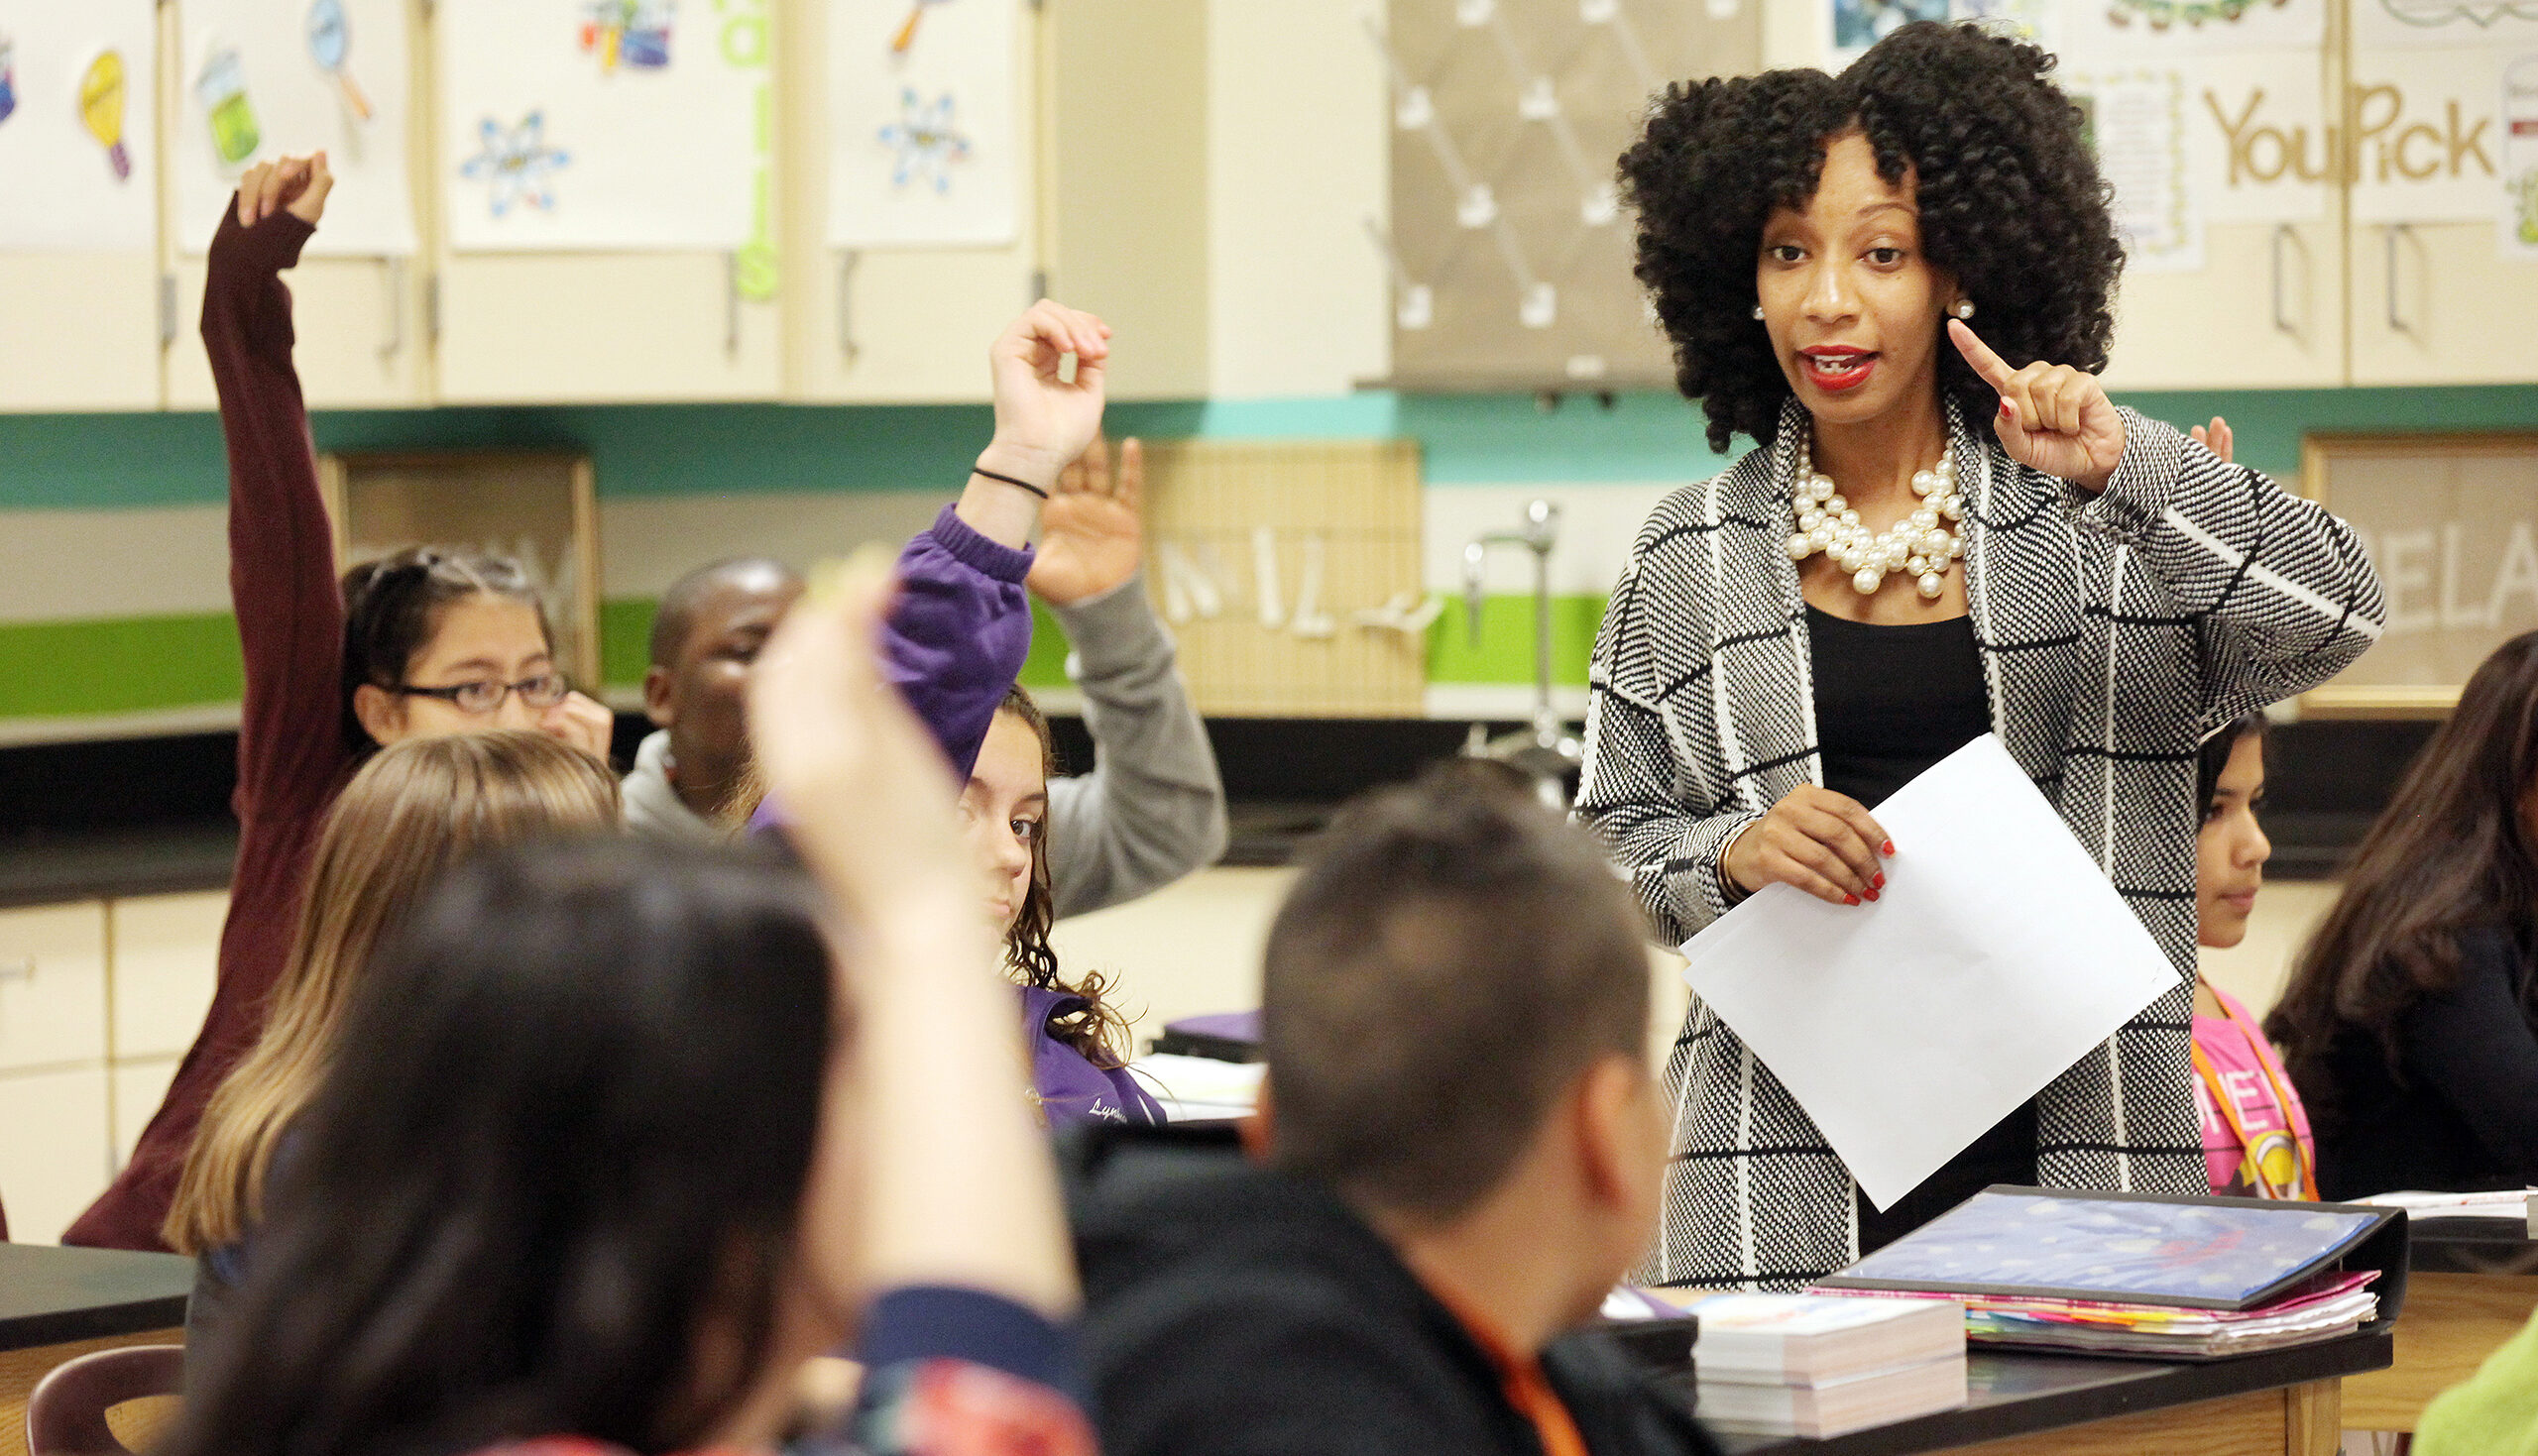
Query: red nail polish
1878, 883
1889, 846
1872, 894
2008, 409
1850, 899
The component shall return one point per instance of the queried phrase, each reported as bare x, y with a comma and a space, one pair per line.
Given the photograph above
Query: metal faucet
1547, 749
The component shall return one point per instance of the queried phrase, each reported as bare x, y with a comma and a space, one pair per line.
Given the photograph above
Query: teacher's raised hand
1815, 841
2053, 417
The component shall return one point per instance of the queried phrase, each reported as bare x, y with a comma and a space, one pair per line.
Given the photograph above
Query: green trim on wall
1504, 651
127, 664
625, 644
93, 461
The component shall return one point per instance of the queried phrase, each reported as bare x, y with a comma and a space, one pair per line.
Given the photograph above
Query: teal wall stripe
93, 461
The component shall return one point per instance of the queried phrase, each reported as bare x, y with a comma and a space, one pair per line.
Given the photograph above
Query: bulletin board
78, 124
538, 508
2451, 522
1510, 253
1290, 575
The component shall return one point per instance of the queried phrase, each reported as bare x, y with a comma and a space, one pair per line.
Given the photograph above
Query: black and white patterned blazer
2115, 631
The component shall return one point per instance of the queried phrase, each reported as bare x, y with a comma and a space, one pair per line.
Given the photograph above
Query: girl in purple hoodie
959, 630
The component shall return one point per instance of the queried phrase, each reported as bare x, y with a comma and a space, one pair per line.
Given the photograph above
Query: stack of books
2129, 1274
1816, 1367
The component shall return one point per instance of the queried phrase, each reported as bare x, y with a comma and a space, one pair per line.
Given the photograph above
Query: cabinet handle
2281, 321
846, 348
394, 343
2396, 321
731, 303
21, 969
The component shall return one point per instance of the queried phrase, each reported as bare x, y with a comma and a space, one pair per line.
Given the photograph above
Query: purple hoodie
957, 633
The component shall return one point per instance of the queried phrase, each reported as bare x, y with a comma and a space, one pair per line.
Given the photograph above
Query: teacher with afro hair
1897, 282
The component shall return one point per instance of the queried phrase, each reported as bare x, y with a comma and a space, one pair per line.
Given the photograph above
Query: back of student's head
2456, 849
1453, 958
561, 1152
409, 813
394, 604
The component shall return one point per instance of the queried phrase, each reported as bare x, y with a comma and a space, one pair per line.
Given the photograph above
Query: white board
61, 187
605, 125
254, 88
923, 141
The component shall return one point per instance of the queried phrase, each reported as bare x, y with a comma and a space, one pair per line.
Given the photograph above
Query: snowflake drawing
515, 164
924, 143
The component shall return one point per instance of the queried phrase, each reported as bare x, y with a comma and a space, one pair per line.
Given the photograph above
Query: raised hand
865, 792
2053, 417
1043, 422
2215, 437
1814, 839
294, 184
1092, 534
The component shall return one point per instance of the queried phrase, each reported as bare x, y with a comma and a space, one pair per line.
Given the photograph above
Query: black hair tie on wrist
1010, 480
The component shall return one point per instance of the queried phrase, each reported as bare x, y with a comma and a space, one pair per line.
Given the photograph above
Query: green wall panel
130, 664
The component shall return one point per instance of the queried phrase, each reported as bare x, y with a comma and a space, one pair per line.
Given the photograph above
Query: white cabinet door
139, 1087
602, 328
360, 327
166, 956
53, 1149
2438, 303
52, 985
2265, 312
84, 330
895, 325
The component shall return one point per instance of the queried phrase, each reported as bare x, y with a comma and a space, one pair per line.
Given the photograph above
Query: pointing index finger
1994, 370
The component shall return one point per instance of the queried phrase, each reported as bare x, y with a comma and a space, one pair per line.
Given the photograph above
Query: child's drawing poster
78, 166
606, 125
270, 79
923, 141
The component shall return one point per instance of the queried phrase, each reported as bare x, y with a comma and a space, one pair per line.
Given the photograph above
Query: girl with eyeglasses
422, 643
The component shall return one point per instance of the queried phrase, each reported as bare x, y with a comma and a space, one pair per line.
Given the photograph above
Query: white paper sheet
1997, 955
291, 102
631, 125
2140, 121
924, 150
61, 187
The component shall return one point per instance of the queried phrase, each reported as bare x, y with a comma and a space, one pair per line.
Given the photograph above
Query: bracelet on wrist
1009, 481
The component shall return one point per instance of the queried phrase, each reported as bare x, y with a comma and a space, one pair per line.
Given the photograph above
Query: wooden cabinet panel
53, 1149
167, 956
360, 325
602, 328
2437, 303
84, 328
890, 325
52, 985
2265, 312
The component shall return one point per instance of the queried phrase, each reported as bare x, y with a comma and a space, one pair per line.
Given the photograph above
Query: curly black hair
2011, 200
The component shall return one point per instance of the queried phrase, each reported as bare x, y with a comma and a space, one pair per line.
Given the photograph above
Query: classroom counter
2470, 1285
2281, 1401
56, 1305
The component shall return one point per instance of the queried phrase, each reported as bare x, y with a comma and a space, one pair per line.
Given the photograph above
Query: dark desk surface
2021, 1394
49, 1297
2471, 1246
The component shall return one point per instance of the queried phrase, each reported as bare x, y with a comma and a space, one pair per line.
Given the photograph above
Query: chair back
66, 1413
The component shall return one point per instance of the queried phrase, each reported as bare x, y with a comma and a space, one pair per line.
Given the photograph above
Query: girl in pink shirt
2256, 1137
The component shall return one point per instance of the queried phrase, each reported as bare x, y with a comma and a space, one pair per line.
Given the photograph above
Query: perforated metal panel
1511, 259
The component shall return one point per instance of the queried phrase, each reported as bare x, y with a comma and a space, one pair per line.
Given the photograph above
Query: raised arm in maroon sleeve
291, 753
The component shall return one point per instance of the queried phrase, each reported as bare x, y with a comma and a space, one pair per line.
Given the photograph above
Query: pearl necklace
1923, 545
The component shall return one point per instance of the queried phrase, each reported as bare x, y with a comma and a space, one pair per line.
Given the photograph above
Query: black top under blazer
2117, 630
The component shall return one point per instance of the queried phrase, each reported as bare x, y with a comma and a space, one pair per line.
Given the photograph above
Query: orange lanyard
2303, 1184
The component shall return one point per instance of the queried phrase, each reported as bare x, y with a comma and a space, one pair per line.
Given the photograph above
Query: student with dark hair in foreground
1459, 1152
620, 1134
